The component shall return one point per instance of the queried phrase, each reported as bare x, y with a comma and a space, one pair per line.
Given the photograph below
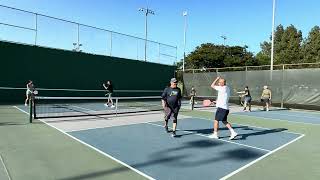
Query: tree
287, 47
311, 46
217, 56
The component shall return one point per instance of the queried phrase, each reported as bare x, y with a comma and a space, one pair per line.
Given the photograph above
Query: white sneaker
25, 104
112, 106
213, 136
106, 105
233, 135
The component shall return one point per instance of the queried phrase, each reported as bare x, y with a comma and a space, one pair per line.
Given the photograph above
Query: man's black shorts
221, 114
171, 113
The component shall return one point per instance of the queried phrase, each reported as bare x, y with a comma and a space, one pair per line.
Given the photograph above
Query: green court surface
38, 151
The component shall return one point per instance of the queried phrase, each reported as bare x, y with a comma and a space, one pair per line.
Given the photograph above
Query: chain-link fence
27, 27
290, 83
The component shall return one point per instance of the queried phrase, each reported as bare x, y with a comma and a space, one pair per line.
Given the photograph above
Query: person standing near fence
222, 108
193, 93
29, 92
266, 98
171, 103
246, 98
109, 90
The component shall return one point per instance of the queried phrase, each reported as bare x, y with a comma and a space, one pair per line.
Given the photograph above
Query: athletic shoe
174, 134
213, 136
112, 106
106, 105
25, 104
233, 135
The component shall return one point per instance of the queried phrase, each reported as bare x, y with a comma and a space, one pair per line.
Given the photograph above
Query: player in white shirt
222, 108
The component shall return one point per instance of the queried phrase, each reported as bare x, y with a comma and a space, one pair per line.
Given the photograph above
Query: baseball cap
173, 80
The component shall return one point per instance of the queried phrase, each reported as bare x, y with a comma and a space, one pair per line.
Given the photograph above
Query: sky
243, 22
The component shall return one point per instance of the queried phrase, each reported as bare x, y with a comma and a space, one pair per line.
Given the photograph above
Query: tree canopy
289, 48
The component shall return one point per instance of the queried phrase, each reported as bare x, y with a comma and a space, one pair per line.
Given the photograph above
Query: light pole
185, 13
146, 12
272, 37
76, 47
224, 39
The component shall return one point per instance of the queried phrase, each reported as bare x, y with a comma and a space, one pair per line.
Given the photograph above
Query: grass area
37, 151
299, 160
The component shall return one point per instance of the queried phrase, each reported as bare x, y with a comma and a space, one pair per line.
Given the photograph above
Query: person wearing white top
29, 92
222, 108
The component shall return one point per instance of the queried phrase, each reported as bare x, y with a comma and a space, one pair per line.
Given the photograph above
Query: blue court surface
286, 115
147, 148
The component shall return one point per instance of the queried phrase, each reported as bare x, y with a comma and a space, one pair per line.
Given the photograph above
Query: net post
31, 110
116, 106
192, 102
34, 108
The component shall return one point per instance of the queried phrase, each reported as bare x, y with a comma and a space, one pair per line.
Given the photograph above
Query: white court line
5, 168
99, 127
253, 147
260, 158
20, 109
277, 119
82, 108
298, 116
306, 111
103, 153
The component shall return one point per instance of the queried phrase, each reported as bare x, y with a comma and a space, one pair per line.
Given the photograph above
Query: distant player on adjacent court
247, 98
266, 98
222, 108
109, 90
29, 92
171, 103
193, 93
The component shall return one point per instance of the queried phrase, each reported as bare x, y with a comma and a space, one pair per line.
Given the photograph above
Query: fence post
246, 75
282, 94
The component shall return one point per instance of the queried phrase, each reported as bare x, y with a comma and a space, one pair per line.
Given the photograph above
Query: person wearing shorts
109, 90
266, 98
246, 98
171, 103
29, 92
193, 93
222, 108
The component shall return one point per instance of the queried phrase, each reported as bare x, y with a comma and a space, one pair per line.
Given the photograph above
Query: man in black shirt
171, 103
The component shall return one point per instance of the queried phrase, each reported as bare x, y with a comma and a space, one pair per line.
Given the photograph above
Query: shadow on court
12, 124
210, 130
162, 160
241, 135
238, 154
263, 132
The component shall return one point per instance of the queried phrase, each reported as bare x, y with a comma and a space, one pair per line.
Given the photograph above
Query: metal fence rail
31, 28
290, 83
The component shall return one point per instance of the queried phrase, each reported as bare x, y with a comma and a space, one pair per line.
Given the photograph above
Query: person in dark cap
171, 103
